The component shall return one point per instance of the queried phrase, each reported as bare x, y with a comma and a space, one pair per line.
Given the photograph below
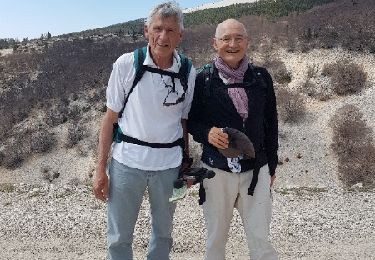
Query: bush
278, 71
353, 145
346, 77
83, 148
48, 174
66, 68
76, 133
24, 141
57, 115
13, 155
291, 106
343, 24
318, 88
310, 88
42, 141
75, 112
312, 71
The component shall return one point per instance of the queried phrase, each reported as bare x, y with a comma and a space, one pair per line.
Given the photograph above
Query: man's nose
232, 42
163, 33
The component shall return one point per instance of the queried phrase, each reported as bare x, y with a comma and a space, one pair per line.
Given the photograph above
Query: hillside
217, 4
211, 14
52, 95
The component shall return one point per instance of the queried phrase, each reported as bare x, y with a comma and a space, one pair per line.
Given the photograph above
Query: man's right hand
100, 185
100, 181
218, 138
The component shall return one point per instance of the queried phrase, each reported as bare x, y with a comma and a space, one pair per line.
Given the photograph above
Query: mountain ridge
217, 4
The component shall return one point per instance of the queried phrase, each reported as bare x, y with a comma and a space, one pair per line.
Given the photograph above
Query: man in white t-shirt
155, 113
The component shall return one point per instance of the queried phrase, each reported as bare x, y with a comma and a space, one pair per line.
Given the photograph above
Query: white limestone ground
4, 52
313, 217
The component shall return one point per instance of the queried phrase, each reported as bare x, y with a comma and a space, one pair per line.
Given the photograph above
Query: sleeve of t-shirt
120, 82
189, 94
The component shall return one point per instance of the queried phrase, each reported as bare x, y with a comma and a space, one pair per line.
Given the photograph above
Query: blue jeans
126, 189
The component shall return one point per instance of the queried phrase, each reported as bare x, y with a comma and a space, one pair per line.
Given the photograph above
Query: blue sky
30, 18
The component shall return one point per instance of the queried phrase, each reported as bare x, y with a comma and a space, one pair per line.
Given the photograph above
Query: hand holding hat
239, 144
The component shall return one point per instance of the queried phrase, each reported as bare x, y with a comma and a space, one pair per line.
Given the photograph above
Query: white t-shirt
145, 117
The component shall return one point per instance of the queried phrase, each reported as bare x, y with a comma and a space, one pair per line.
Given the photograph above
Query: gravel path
49, 222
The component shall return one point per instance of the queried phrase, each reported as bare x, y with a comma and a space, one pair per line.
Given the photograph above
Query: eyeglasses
172, 97
236, 39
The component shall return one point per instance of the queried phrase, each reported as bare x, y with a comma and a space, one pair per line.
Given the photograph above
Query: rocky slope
313, 216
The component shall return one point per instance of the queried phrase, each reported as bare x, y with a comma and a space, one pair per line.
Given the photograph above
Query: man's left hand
272, 180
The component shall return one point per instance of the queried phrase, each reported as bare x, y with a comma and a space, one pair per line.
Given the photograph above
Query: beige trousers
227, 191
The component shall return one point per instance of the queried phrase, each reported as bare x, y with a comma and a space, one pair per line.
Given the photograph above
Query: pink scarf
238, 95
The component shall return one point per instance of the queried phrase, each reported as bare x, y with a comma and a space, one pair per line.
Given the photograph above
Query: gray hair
230, 20
164, 10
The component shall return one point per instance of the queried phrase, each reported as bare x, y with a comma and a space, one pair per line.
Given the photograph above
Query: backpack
255, 78
182, 75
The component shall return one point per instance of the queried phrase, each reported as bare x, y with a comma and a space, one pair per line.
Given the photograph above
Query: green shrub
353, 145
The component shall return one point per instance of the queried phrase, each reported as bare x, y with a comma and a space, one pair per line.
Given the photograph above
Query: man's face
231, 43
163, 35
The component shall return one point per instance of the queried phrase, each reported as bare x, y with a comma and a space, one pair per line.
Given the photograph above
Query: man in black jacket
233, 93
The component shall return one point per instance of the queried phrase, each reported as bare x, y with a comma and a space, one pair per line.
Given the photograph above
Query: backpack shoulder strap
257, 75
208, 71
258, 78
184, 71
139, 57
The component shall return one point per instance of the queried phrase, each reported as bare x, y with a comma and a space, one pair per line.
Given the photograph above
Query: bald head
231, 42
228, 24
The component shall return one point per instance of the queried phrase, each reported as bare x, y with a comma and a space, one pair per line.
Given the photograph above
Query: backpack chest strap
162, 72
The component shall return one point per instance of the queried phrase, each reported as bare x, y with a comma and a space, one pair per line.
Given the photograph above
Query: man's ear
214, 43
145, 31
180, 40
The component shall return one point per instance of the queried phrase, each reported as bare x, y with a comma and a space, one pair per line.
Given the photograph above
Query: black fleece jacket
212, 106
